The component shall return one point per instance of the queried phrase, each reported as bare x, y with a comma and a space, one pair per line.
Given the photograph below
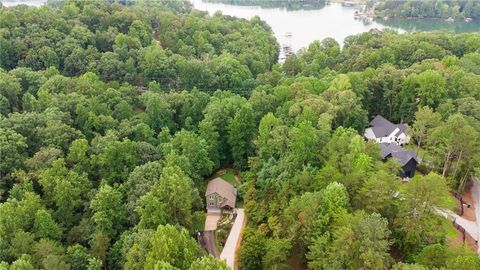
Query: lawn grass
227, 175
450, 203
452, 233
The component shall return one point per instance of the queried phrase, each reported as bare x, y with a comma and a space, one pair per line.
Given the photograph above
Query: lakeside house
391, 137
220, 196
383, 131
406, 158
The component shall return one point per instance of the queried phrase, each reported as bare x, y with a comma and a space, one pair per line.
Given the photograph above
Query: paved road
476, 201
228, 253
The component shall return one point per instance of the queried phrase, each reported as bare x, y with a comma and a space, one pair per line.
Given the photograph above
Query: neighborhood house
220, 195
391, 137
406, 158
383, 131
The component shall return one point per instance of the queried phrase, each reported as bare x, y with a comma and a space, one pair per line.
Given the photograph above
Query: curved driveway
233, 240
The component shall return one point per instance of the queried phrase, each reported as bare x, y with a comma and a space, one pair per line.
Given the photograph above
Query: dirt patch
295, 263
469, 212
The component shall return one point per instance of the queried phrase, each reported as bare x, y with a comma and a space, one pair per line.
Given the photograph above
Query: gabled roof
403, 128
380, 121
224, 189
381, 127
397, 152
382, 131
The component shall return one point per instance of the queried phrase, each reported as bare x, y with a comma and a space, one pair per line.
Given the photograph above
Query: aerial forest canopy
112, 117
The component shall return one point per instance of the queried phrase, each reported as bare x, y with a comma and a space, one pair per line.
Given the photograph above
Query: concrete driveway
233, 240
211, 221
476, 200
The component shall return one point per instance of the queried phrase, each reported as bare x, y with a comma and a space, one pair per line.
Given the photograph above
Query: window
211, 204
211, 197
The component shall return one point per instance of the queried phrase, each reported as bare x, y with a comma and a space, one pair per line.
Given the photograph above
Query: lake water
34, 3
297, 25
305, 26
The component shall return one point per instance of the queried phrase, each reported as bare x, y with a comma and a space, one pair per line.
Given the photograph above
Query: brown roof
224, 189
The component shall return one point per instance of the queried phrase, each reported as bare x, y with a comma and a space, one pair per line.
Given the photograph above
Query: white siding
369, 134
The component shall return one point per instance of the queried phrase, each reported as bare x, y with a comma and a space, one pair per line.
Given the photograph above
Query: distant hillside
429, 8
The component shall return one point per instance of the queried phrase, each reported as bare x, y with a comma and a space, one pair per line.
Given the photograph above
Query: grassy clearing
450, 203
227, 175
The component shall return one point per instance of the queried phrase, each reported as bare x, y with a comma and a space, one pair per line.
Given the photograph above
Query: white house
383, 131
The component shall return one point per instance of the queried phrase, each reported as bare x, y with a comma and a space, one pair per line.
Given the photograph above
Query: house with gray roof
220, 195
381, 130
407, 158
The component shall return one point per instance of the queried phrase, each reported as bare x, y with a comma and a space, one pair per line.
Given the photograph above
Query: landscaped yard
223, 229
227, 175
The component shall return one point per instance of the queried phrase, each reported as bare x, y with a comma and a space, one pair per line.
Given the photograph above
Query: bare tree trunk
458, 161
418, 144
461, 186
445, 165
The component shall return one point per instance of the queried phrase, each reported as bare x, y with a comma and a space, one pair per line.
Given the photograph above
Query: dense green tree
425, 120
431, 88
65, 189
170, 200
158, 112
45, 226
117, 160
361, 242
253, 250
276, 256
230, 74
135, 254
208, 263
241, 131
109, 212
12, 147
157, 66
417, 216
194, 149
181, 255
79, 259
139, 182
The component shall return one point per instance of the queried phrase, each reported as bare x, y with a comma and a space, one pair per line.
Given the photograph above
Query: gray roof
224, 189
381, 127
397, 152
382, 131
380, 121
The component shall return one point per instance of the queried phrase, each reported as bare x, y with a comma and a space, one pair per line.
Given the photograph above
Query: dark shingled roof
382, 131
380, 121
397, 152
381, 127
